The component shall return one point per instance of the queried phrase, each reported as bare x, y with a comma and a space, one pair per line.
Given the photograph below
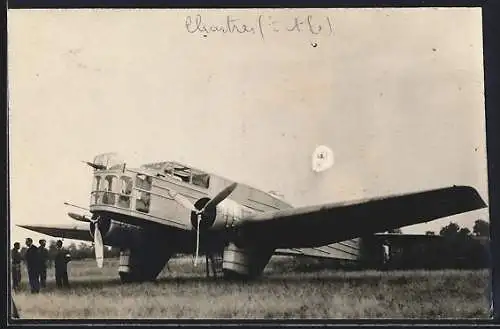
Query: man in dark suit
15, 256
33, 264
43, 257
61, 266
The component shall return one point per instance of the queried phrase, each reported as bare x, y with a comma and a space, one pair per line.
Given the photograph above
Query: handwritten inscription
262, 25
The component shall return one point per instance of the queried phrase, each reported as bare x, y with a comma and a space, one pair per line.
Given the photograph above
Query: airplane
165, 208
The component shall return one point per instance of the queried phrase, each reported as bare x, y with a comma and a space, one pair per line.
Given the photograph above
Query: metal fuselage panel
345, 250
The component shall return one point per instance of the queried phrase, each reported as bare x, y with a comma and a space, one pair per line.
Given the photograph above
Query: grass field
184, 292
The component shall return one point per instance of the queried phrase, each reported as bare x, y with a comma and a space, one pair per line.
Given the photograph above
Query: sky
397, 94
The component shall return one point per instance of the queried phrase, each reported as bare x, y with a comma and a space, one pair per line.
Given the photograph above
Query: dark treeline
454, 247
457, 247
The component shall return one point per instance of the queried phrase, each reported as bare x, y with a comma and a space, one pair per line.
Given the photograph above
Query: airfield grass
183, 292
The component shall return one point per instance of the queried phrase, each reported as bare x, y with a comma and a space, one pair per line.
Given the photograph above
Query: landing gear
207, 268
135, 266
214, 262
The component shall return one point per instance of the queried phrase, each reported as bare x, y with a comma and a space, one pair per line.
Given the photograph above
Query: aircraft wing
66, 231
316, 226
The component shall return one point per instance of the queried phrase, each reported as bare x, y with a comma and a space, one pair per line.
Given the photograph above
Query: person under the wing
43, 257
16, 266
387, 254
32, 264
61, 261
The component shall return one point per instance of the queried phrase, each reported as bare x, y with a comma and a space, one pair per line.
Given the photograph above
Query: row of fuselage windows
180, 172
114, 190
201, 180
111, 190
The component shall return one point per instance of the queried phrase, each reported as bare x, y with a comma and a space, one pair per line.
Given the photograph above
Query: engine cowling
225, 215
117, 233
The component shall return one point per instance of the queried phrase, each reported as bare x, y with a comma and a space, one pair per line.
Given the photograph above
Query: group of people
37, 261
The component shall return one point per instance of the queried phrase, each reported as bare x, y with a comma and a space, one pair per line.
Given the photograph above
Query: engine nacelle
244, 262
117, 233
135, 265
225, 215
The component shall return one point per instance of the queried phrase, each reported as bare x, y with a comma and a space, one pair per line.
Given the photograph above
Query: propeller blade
98, 246
182, 200
221, 196
79, 218
197, 241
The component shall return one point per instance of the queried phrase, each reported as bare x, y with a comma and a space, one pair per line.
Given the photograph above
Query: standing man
43, 256
386, 255
15, 258
61, 265
32, 264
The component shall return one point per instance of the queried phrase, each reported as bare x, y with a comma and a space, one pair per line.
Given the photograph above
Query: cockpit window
202, 180
142, 202
177, 171
156, 165
109, 183
117, 166
109, 186
104, 185
183, 175
126, 185
94, 199
125, 191
143, 182
95, 183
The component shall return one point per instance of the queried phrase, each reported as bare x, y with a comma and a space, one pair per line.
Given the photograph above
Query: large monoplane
172, 208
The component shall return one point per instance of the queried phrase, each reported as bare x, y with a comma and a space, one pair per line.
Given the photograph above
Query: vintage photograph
248, 164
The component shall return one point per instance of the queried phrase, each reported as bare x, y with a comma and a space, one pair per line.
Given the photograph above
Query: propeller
98, 242
197, 240
94, 222
220, 197
98, 245
211, 204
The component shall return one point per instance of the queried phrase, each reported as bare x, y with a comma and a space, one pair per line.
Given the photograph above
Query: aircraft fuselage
137, 211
